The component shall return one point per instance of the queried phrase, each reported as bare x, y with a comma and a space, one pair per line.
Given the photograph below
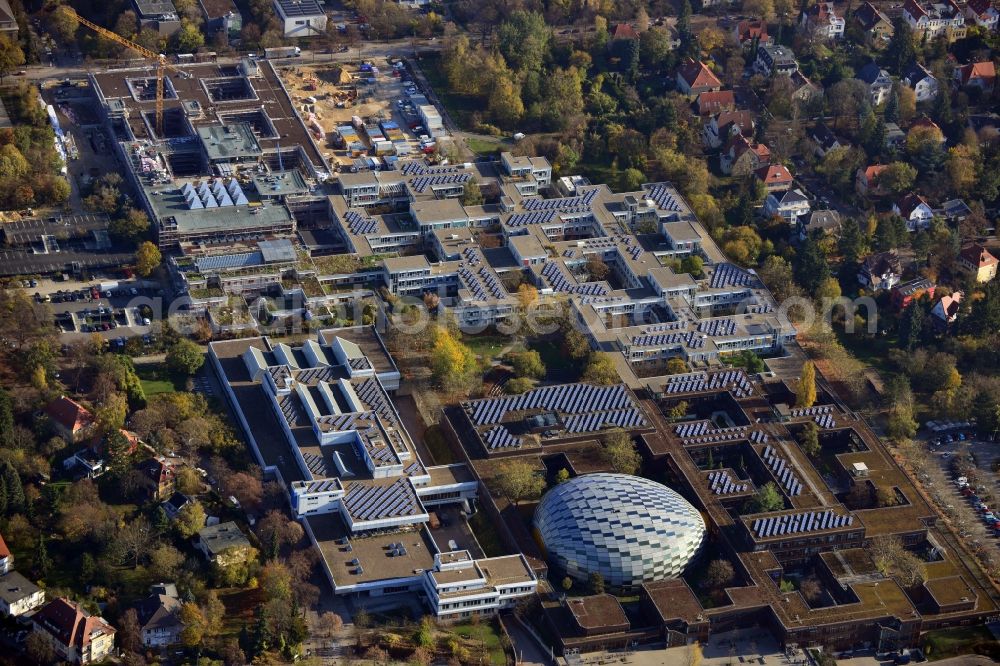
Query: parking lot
81, 309
963, 483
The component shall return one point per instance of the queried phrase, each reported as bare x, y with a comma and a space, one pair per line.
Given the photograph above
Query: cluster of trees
129, 225
619, 452
528, 367
29, 164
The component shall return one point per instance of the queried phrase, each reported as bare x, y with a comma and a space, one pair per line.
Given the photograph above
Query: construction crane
161, 64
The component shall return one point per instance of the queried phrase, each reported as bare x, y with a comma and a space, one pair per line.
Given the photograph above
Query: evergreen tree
6, 417
912, 327
43, 563
875, 143
853, 244
15, 491
892, 108
811, 268
900, 52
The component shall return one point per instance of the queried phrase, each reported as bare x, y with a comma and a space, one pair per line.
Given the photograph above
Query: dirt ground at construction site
335, 95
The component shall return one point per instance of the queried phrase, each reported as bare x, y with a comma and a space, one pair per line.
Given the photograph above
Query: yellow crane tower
161, 64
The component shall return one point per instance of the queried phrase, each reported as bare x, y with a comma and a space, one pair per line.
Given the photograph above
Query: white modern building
301, 18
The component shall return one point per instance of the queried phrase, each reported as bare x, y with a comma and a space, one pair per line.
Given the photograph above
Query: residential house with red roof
694, 78
6, 559
709, 103
742, 156
72, 421
866, 180
930, 20
946, 310
159, 473
982, 75
726, 125
76, 636
776, 177
982, 13
822, 21
748, 33
978, 261
915, 210
624, 31
802, 88
905, 293
877, 27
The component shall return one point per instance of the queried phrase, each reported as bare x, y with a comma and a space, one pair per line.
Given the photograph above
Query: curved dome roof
629, 529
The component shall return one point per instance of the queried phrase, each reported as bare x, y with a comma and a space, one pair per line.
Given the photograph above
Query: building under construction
231, 162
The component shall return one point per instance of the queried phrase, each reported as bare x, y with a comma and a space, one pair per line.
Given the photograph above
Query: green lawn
486, 345
156, 379
944, 643
483, 634
485, 146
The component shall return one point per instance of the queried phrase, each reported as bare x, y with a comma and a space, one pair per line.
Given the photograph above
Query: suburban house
876, 25
824, 139
6, 559
919, 79
72, 421
301, 18
159, 616
789, 206
159, 473
866, 180
751, 32
946, 310
894, 136
694, 78
775, 60
173, 505
953, 210
878, 80
624, 32
18, 595
880, 271
827, 221
822, 21
743, 156
8, 22
716, 101
915, 210
224, 544
905, 293
982, 13
982, 75
979, 262
89, 462
723, 126
776, 177
75, 636
221, 15
933, 20
802, 88
158, 15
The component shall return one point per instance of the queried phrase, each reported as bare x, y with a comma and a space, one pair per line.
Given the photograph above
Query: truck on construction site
282, 52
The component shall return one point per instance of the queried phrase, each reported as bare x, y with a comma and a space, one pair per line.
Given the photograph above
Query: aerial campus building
319, 418
628, 529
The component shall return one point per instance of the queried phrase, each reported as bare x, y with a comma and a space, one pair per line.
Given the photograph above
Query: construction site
363, 110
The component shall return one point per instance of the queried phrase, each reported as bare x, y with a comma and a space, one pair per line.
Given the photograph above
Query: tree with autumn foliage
453, 365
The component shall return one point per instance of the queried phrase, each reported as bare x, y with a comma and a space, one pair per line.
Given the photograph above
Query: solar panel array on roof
758, 437
360, 363
323, 486
291, 409
635, 252
378, 502
315, 464
796, 523
492, 283
759, 309
693, 429
717, 436
423, 182
370, 392
716, 327
581, 202
687, 338
721, 483
825, 421
599, 299
472, 283
735, 381
525, 219
565, 398
811, 411
360, 224
729, 275
472, 255
321, 373
554, 273
629, 417
782, 471
498, 437
228, 261
668, 326
664, 198
413, 468
413, 168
